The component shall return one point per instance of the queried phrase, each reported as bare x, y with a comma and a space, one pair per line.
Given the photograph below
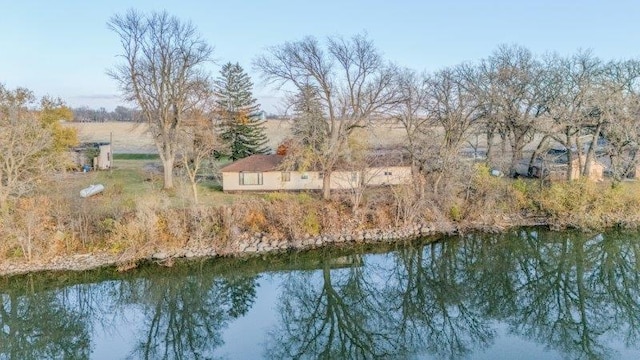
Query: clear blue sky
63, 48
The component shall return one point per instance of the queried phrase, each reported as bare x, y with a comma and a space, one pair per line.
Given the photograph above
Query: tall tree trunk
167, 163
592, 151
541, 145
490, 149
194, 188
579, 155
569, 155
516, 156
326, 185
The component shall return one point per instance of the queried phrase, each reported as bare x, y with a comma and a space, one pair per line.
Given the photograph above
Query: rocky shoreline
245, 244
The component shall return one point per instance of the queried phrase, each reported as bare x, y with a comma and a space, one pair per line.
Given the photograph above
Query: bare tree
363, 170
513, 96
619, 118
409, 111
197, 144
573, 84
452, 110
437, 112
26, 146
162, 72
352, 81
480, 80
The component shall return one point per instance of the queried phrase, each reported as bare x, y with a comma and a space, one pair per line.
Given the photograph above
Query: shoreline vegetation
135, 221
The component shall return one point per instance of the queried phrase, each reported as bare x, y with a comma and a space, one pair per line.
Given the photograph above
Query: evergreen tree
310, 127
241, 128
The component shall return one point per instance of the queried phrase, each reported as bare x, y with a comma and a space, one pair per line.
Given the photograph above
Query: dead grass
127, 137
134, 138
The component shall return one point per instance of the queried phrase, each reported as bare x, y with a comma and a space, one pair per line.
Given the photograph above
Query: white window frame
244, 178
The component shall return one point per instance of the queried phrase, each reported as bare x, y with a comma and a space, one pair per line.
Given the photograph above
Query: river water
527, 294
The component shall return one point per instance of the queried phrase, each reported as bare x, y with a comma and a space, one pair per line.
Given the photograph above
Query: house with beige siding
265, 173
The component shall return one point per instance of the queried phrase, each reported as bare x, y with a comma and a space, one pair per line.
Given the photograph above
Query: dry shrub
83, 219
335, 217
144, 229
292, 216
377, 209
409, 204
436, 192
84, 223
585, 204
30, 227
207, 224
173, 226
248, 215
311, 224
522, 192
284, 216
255, 220
487, 197
383, 217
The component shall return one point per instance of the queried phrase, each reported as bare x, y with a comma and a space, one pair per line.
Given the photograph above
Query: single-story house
96, 155
265, 173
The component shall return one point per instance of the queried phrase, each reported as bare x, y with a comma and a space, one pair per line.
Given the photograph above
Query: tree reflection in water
565, 291
437, 311
573, 289
334, 314
186, 312
41, 325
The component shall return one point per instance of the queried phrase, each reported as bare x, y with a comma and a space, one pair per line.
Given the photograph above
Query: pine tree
241, 129
310, 128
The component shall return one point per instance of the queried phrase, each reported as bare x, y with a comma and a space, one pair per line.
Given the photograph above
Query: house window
387, 173
304, 176
286, 176
250, 178
320, 175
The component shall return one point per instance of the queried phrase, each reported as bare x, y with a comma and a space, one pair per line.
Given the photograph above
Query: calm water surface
529, 294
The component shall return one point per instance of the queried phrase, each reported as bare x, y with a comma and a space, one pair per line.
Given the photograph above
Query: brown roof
256, 162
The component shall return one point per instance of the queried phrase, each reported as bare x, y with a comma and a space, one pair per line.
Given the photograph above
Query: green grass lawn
136, 177
136, 157
139, 176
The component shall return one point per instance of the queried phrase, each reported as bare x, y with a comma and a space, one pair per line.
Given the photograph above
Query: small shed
97, 156
557, 168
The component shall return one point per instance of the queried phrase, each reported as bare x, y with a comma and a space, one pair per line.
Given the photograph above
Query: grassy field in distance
134, 138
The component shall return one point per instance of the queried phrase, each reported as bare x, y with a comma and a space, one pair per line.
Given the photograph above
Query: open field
134, 138
128, 138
